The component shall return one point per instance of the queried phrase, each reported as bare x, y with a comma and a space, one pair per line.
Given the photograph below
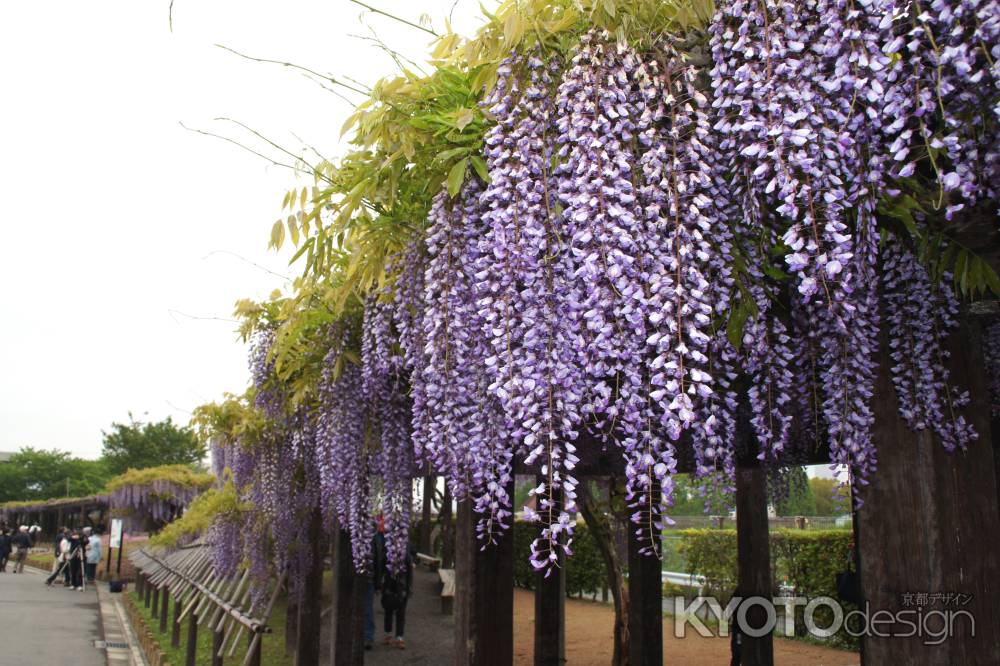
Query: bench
429, 561
447, 577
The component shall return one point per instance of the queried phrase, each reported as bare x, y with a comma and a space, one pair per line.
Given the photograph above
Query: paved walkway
41, 625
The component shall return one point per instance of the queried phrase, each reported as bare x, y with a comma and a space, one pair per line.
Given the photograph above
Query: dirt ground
588, 640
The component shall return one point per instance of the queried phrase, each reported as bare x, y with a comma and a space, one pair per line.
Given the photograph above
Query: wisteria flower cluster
920, 314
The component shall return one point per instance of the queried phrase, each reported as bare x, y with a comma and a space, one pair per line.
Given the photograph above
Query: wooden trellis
223, 604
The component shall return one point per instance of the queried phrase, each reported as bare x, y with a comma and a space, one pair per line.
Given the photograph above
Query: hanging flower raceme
531, 327
390, 409
342, 452
920, 313
462, 421
800, 121
944, 81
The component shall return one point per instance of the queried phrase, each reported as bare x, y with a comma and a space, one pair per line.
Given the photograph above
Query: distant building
5, 456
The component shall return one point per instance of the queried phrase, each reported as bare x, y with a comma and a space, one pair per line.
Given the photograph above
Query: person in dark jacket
396, 589
4, 549
22, 544
77, 544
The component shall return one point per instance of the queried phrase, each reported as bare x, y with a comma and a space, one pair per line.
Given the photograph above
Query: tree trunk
600, 529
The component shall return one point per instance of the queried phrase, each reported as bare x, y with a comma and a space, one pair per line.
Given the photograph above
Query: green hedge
808, 560
584, 570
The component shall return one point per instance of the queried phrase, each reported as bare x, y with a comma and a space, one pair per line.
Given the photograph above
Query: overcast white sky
117, 223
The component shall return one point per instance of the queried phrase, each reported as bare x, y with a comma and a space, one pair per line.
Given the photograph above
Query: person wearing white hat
22, 544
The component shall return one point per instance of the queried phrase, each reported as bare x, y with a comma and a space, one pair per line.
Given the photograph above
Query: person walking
61, 559
4, 549
93, 556
22, 544
396, 587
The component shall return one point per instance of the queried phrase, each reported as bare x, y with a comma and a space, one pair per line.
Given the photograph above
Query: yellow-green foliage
178, 475
199, 516
40, 504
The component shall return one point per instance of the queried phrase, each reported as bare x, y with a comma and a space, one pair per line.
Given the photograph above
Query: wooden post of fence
550, 611
164, 609
645, 591
217, 644
310, 607
175, 632
291, 621
192, 640
257, 650
155, 608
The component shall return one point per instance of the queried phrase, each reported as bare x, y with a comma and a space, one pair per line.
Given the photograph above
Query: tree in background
831, 498
39, 475
138, 445
799, 500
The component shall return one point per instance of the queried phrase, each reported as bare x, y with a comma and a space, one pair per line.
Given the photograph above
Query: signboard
116, 533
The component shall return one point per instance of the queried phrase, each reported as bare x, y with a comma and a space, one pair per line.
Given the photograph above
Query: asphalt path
47, 625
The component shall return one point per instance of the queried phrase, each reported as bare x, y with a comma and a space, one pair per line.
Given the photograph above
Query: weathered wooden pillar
307, 650
430, 484
753, 544
447, 531
550, 612
928, 525
257, 647
291, 622
164, 609
645, 592
484, 594
465, 621
175, 634
152, 595
218, 640
348, 615
191, 654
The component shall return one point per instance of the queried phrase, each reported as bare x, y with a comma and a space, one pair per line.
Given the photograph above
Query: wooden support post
192, 641
257, 648
484, 595
218, 640
929, 523
138, 584
349, 612
430, 483
753, 547
550, 613
152, 596
307, 648
447, 531
492, 595
164, 609
175, 633
291, 622
645, 592
466, 627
